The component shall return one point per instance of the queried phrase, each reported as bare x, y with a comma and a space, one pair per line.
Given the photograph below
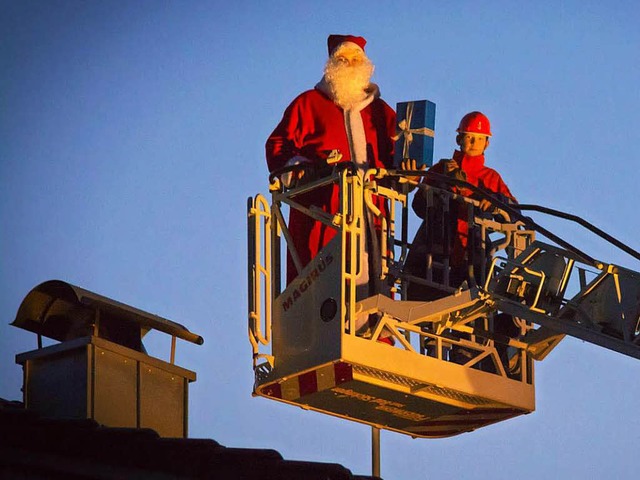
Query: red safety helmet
475, 122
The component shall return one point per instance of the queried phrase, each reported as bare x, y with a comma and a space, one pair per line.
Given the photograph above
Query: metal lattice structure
317, 341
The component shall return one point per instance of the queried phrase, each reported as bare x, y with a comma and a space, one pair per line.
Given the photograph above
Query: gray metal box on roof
100, 370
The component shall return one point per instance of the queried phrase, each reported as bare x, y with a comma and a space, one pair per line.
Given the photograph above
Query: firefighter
468, 165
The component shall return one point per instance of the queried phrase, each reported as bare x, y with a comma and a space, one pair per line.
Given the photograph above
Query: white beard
348, 84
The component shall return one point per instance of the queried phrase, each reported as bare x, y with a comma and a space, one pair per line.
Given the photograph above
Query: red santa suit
311, 127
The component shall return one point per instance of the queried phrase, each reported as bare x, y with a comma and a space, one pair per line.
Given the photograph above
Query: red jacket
478, 175
311, 127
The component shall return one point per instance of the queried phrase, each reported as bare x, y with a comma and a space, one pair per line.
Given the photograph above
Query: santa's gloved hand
290, 177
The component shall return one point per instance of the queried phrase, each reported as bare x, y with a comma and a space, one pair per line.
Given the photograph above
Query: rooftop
34, 447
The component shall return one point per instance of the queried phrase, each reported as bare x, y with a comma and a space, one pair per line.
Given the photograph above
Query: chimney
100, 369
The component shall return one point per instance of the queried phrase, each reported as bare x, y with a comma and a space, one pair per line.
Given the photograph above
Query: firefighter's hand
450, 165
412, 164
452, 169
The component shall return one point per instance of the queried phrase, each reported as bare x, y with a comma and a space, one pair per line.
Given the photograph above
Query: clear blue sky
132, 132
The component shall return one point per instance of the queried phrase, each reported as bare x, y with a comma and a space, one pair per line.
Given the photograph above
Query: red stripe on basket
343, 372
308, 383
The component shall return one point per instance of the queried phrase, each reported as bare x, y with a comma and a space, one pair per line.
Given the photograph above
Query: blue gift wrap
415, 123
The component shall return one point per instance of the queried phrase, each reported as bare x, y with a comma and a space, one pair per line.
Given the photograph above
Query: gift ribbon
407, 132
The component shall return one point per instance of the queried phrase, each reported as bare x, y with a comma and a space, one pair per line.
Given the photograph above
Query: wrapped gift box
415, 123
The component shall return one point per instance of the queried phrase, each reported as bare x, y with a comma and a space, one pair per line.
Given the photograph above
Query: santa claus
344, 112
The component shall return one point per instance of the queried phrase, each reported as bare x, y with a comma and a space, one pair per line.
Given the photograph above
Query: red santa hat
334, 41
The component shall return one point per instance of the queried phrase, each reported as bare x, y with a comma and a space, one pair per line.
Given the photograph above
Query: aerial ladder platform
423, 368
